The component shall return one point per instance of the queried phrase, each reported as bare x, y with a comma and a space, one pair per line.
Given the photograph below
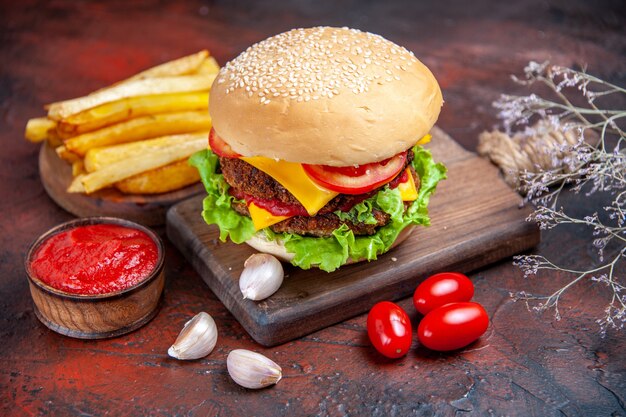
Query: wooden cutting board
149, 210
476, 220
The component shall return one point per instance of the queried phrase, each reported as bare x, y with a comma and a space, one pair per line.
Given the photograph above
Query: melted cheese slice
425, 139
291, 175
407, 189
262, 218
313, 197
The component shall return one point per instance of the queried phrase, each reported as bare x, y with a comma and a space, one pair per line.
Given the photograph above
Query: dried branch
568, 148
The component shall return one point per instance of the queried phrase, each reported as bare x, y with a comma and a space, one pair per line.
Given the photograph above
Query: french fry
140, 128
37, 129
76, 186
181, 66
160, 180
135, 88
98, 158
137, 134
209, 66
78, 168
132, 166
54, 139
117, 111
67, 155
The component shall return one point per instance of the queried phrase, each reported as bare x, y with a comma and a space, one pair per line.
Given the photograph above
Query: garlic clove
252, 370
196, 340
261, 277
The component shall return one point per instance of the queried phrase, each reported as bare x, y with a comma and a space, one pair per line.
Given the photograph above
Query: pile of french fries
137, 134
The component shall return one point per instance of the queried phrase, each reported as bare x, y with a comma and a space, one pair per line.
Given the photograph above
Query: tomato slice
219, 147
356, 179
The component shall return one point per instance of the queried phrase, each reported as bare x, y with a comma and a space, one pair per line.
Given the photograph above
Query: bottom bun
277, 248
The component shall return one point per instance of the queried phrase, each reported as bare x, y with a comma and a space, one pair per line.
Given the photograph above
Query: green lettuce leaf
327, 253
216, 207
360, 213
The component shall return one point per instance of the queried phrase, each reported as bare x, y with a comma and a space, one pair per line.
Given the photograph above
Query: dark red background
526, 364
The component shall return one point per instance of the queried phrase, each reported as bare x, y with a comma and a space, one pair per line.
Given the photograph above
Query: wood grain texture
476, 220
98, 318
527, 364
149, 210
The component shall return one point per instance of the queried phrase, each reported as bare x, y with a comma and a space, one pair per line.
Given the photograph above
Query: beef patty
320, 225
247, 179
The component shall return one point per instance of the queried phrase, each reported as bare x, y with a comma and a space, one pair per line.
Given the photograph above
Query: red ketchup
400, 179
275, 207
95, 259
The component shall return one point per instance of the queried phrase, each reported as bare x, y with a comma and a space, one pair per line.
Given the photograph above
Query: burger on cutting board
315, 152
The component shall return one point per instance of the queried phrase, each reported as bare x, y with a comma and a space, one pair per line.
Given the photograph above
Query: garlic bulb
262, 276
196, 340
252, 370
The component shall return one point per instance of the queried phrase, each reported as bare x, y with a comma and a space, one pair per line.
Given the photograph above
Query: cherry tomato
356, 179
440, 289
219, 147
389, 329
452, 326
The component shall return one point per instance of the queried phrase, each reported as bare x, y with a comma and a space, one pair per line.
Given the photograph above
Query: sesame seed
308, 64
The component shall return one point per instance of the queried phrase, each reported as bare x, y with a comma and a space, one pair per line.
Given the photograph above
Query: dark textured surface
526, 364
476, 221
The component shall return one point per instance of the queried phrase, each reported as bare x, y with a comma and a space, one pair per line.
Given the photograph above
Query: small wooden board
476, 220
149, 210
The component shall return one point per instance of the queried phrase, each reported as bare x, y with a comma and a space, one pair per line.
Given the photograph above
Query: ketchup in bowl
95, 259
96, 277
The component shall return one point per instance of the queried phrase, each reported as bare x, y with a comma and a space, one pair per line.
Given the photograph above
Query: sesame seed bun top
333, 96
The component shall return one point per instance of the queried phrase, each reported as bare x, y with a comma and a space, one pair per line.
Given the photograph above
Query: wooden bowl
103, 315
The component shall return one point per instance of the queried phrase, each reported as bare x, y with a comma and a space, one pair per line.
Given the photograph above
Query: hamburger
315, 154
